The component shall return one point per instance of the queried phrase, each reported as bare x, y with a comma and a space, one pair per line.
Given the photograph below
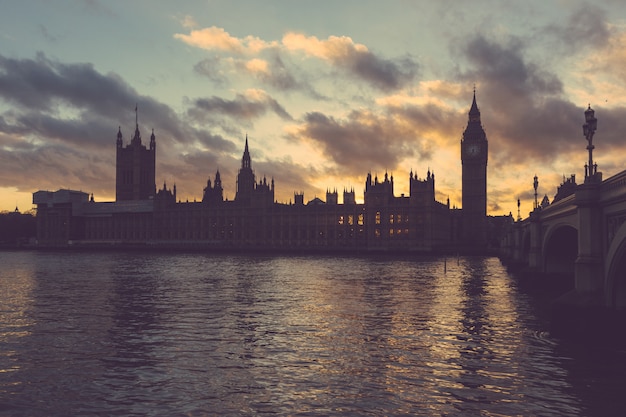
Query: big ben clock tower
474, 160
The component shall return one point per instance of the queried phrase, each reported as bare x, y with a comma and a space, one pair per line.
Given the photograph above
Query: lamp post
589, 128
535, 185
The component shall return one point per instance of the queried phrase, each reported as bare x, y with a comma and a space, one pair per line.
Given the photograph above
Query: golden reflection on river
193, 334
16, 287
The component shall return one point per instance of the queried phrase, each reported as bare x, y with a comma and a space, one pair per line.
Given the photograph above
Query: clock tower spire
474, 151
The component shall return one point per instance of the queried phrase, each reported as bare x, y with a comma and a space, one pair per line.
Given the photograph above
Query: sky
325, 91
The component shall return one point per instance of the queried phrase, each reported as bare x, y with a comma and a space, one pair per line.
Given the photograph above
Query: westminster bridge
581, 237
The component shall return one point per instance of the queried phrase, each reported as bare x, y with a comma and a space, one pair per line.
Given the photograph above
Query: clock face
473, 150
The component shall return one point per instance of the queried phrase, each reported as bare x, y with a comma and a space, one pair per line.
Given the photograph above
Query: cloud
504, 65
215, 38
188, 22
342, 52
275, 73
366, 140
60, 122
46, 34
250, 105
532, 126
527, 114
586, 27
211, 68
41, 83
270, 71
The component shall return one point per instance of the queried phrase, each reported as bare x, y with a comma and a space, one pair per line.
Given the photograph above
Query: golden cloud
257, 66
215, 38
332, 49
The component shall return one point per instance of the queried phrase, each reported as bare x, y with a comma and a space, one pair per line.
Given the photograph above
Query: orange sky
325, 92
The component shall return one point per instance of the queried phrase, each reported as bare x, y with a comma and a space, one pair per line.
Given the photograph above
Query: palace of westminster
143, 216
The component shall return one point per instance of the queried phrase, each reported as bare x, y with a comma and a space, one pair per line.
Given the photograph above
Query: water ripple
193, 335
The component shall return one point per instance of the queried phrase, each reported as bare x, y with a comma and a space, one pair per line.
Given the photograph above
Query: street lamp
589, 128
535, 185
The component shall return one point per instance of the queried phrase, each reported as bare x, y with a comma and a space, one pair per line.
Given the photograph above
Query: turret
213, 193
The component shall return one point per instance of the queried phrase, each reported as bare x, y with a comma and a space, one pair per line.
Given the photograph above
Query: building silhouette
474, 152
145, 217
135, 167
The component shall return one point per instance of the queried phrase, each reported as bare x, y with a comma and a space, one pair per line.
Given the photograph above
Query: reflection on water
16, 287
155, 334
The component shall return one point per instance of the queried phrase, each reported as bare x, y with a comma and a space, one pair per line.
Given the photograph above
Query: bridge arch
615, 265
559, 252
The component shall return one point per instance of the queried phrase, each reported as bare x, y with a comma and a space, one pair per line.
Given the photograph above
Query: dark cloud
60, 124
242, 108
211, 69
42, 84
279, 76
503, 66
384, 74
284, 77
365, 141
50, 88
42, 90
526, 117
586, 27
56, 166
528, 120
47, 36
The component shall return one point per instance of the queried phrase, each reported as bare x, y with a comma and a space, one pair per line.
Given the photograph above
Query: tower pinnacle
245, 160
474, 113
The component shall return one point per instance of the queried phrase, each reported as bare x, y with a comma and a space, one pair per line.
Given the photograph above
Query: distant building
144, 216
17, 229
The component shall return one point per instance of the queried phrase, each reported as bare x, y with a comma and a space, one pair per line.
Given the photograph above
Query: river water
154, 334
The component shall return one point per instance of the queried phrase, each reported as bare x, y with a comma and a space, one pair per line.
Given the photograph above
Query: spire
119, 137
218, 179
474, 113
152, 140
245, 160
137, 138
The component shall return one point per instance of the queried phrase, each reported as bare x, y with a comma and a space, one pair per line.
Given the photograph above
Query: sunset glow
326, 93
